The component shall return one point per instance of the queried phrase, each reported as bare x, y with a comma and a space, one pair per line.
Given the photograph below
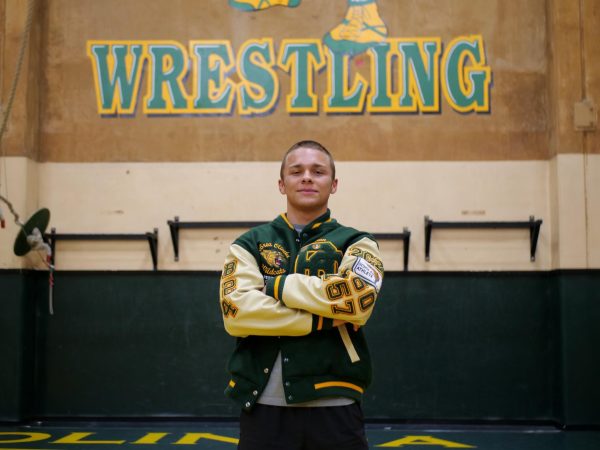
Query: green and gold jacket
281, 291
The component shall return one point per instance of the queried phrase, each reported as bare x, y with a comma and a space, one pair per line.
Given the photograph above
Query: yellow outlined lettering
337, 289
229, 268
424, 440
302, 58
27, 437
466, 87
167, 69
381, 99
193, 438
229, 309
419, 76
340, 98
117, 67
228, 286
78, 438
258, 91
212, 92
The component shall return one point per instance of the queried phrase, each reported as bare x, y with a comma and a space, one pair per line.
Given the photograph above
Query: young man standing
296, 292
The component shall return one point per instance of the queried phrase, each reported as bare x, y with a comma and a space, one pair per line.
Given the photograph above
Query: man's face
307, 180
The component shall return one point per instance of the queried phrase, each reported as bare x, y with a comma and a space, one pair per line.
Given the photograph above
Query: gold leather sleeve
247, 310
349, 295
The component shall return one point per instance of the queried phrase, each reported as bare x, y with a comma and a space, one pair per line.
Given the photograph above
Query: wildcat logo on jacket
274, 258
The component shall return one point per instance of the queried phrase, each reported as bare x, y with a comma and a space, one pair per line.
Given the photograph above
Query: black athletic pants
321, 428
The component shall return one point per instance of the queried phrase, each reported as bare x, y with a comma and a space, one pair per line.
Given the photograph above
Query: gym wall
479, 332
521, 155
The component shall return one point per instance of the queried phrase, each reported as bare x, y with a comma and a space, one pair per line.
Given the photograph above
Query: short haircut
314, 145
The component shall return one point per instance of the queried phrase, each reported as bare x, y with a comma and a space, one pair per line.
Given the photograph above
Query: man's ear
281, 186
334, 185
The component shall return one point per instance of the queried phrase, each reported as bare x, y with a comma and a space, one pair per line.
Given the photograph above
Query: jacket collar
312, 226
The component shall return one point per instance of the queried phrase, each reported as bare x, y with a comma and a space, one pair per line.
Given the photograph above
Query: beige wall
577, 225
20, 178
592, 193
377, 197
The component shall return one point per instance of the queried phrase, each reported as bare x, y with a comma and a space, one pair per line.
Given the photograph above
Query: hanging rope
11, 99
19, 66
35, 240
12, 210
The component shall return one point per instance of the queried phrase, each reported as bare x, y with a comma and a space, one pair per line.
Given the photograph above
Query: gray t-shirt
274, 395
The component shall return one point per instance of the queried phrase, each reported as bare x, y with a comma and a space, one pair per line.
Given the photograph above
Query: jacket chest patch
320, 247
274, 258
318, 258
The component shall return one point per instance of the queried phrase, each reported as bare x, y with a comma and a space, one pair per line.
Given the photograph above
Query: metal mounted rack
151, 237
175, 225
533, 225
404, 236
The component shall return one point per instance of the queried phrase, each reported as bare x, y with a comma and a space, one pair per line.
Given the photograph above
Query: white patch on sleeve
367, 272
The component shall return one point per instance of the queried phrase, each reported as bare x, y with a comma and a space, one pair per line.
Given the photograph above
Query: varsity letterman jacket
325, 272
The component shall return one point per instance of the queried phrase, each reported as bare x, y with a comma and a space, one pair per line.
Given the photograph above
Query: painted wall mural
240, 80
210, 77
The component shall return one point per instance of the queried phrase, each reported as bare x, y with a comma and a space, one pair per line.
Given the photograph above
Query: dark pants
283, 428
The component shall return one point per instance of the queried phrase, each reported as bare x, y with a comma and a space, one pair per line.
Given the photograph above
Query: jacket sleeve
348, 295
247, 310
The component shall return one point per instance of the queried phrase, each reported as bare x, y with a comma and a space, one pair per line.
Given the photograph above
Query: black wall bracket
151, 237
533, 225
175, 225
404, 236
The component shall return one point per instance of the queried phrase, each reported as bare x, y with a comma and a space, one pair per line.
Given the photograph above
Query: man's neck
303, 217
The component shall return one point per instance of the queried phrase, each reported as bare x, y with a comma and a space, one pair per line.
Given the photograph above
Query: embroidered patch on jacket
367, 272
372, 259
229, 309
274, 258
